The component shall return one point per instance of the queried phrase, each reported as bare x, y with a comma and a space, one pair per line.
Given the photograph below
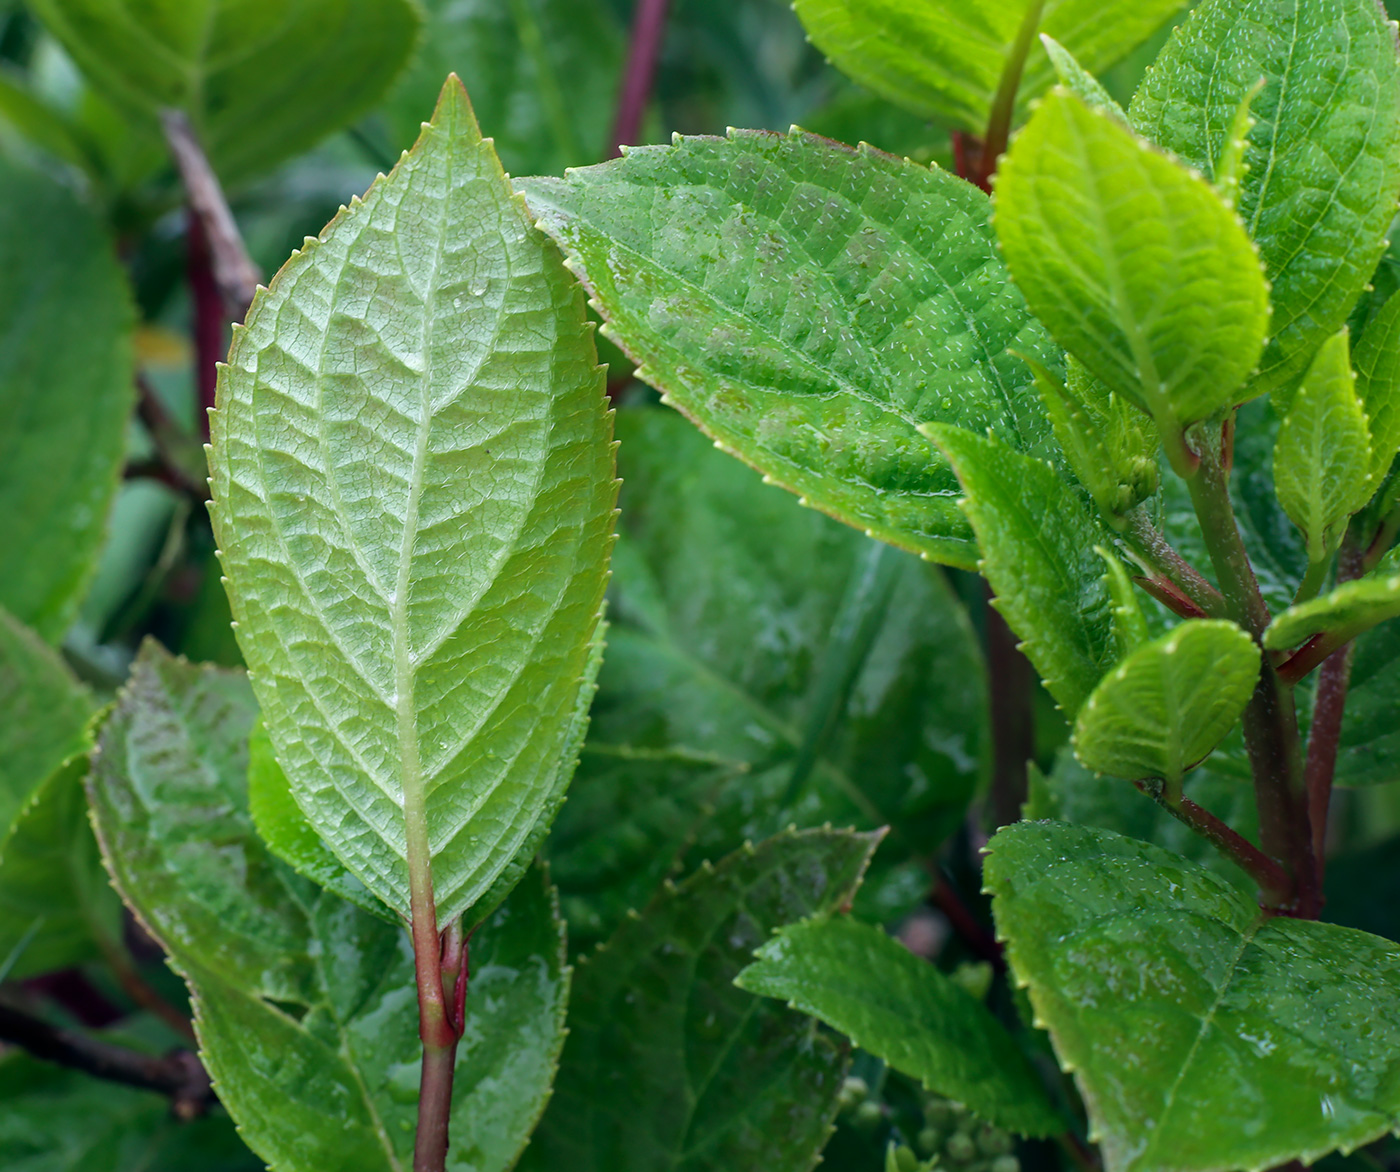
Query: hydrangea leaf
1168, 994
1377, 361
900, 1008
1131, 261
1351, 608
809, 305
413, 495
1370, 744
1324, 154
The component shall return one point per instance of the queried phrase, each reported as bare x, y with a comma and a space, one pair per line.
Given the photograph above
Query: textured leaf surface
902, 1009
1134, 264
1377, 361
1352, 606
809, 305
305, 1006
945, 59
65, 393
1322, 461
1370, 748
1324, 154
1079, 81
413, 487
1169, 703
1168, 996
262, 79
668, 1065
1037, 539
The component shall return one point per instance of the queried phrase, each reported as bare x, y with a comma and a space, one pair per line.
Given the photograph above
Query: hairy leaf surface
1324, 154
897, 1006
1168, 995
809, 305
413, 495
668, 1066
1377, 361
305, 1006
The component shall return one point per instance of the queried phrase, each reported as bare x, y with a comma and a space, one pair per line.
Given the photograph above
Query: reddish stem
648, 30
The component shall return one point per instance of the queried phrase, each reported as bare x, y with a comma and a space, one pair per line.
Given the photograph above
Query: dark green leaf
1370, 749
1377, 361
900, 1008
809, 305
1352, 607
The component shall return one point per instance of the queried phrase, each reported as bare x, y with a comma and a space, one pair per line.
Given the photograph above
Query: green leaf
668, 1066
900, 1008
1370, 747
418, 647
1132, 262
305, 1005
1377, 362
1080, 82
66, 389
945, 59
1169, 703
543, 73
1348, 610
1037, 539
1168, 996
1322, 461
1130, 630
262, 79
1320, 189
809, 305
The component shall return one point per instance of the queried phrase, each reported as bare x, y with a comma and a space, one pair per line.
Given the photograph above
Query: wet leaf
1351, 608
1370, 748
899, 1007
418, 587
1167, 994
1377, 361
808, 305
668, 1065
1324, 155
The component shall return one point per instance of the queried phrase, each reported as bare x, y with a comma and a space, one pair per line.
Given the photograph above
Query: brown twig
648, 29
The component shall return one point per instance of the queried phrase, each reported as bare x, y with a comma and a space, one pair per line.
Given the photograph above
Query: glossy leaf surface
809, 305
413, 487
1351, 607
668, 1065
899, 1007
1377, 361
1370, 748
1324, 154
305, 1006
66, 388
1169, 703
1133, 263
1168, 995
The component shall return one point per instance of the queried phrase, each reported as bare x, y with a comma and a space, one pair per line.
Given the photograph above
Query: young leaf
1166, 706
66, 388
1322, 461
809, 305
1132, 262
900, 1008
413, 494
1351, 608
1168, 995
1320, 188
1037, 540
304, 1005
261, 79
1080, 82
667, 1064
1377, 362
1130, 629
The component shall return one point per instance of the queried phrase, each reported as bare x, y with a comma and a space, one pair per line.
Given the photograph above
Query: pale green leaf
1080, 82
1377, 362
669, 1067
1130, 628
1324, 155
262, 79
1322, 461
1169, 703
1037, 538
1132, 262
413, 495
902, 1009
1230, 165
1170, 997
809, 305
1348, 610
304, 1005
66, 389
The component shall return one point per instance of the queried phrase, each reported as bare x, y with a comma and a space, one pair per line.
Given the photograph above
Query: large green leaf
1370, 747
1170, 997
304, 1005
945, 59
668, 1065
543, 75
1324, 154
809, 305
262, 79
1377, 361
66, 388
1133, 263
413, 495
1038, 543
897, 1006
1168, 704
